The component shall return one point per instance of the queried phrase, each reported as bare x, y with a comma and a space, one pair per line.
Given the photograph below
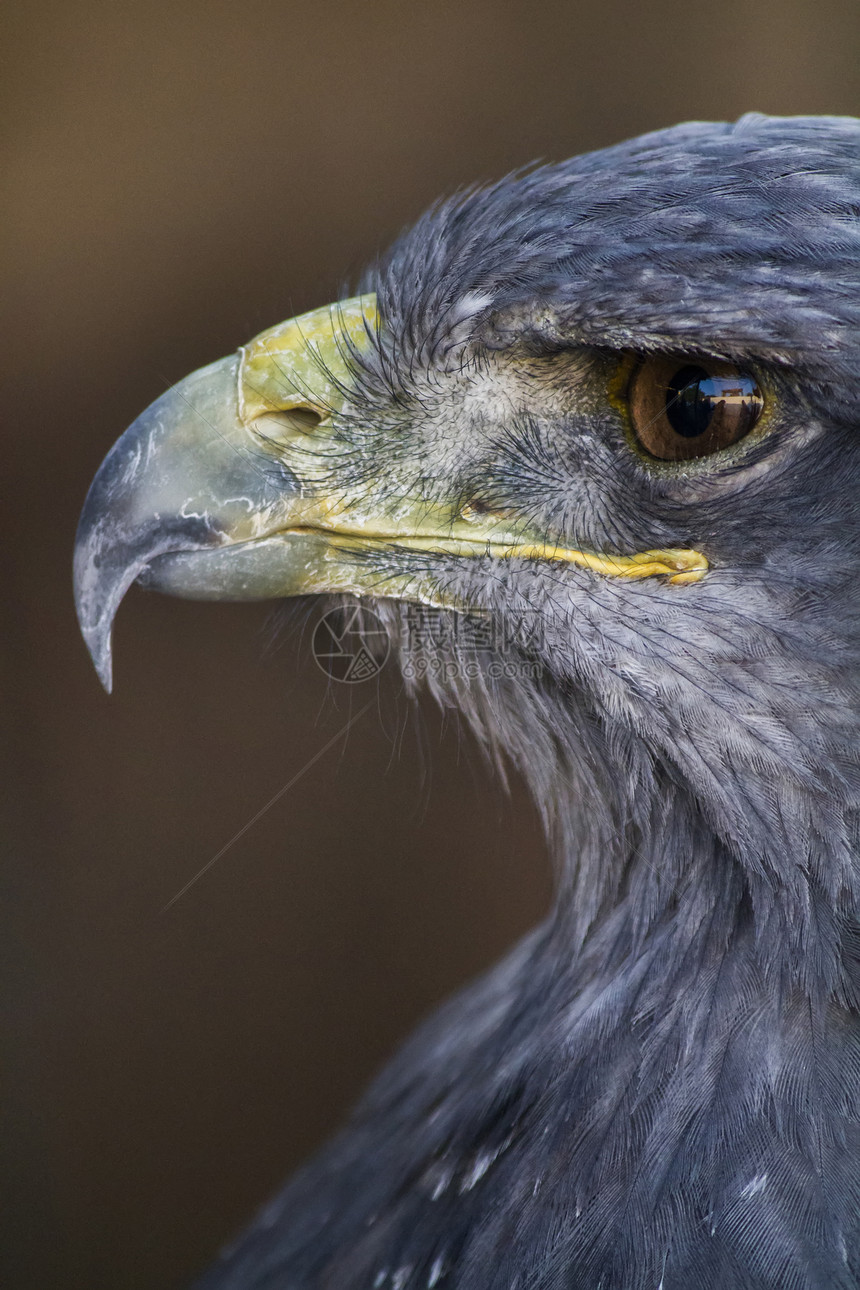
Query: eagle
603, 415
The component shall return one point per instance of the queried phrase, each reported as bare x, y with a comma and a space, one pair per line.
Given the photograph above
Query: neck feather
643, 857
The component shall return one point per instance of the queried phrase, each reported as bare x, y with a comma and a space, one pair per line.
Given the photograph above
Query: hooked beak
226, 488
195, 499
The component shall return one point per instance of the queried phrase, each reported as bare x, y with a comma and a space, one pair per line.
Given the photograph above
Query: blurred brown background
177, 177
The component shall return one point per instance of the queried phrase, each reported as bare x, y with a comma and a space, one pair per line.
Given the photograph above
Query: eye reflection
684, 410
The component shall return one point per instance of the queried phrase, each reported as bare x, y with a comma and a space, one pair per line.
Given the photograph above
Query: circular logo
350, 644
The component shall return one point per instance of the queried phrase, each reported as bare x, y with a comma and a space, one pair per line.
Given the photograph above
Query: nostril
288, 425
306, 419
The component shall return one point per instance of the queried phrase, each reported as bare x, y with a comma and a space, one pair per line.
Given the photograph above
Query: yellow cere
303, 363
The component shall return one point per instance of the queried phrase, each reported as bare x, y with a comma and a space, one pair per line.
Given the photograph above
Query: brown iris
682, 408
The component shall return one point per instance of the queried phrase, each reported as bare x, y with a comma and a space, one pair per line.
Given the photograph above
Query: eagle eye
682, 409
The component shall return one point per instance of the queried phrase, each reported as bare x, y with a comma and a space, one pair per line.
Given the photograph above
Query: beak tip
102, 657
96, 603
97, 638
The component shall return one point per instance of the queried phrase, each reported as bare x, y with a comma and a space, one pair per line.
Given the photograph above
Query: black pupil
693, 396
